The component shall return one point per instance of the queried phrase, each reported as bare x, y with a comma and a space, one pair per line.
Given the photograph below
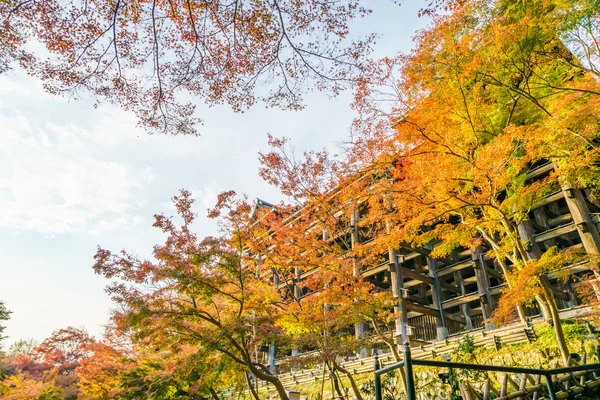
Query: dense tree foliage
146, 55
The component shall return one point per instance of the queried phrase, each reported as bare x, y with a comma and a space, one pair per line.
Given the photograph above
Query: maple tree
64, 349
483, 98
144, 55
21, 387
197, 293
46, 370
312, 247
491, 91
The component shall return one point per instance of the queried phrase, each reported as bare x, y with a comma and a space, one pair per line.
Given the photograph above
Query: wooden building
443, 297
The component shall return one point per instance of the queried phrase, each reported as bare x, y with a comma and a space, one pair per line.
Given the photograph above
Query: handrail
410, 384
499, 368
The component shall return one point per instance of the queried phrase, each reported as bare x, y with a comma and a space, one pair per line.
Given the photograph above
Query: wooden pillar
354, 224
588, 231
360, 328
297, 291
483, 287
421, 288
272, 355
436, 294
397, 290
542, 219
464, 308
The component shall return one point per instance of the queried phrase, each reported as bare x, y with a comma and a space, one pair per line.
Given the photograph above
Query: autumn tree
100, 373
21, 387
489, 92
313, 248
146, 55
46, 370
197, 292
4, 316
64, 349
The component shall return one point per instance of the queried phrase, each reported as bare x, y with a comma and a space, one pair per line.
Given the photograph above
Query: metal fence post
410, 379
377, 377
551, 392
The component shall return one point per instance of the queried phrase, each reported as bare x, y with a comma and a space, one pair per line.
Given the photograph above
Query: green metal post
377, 377
410, 379
551, 392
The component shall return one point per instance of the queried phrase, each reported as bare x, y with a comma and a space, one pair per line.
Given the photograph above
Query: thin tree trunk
323, 380
520, 309
350, 378
543, 302
273, 379
556, 323
251, 387
334, 381
214, 394
394, 349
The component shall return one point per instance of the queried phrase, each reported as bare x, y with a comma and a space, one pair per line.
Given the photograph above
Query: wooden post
360, 329
297, 290
588, 231
483, 285
422, 287
436, 294
397, 290
464, 308
354, 224
272, 355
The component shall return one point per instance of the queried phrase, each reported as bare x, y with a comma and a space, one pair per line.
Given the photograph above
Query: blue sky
73, 177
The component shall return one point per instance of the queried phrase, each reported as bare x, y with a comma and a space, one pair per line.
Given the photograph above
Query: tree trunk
543, 302
556, 323
533, 253
214, 394
391, 344
334, 381
273, 379
350, 378
251, 387
520, 309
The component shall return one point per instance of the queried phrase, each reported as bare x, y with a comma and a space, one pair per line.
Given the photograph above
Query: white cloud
54, 180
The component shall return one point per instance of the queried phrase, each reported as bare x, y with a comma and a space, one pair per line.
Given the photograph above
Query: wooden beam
409, 273
560, 220
552, 233
449, 286
540, 171
493, 272
573, 269
456, 318
455, 267
497, 289
549, 199
457, 301
422, 309
375, 270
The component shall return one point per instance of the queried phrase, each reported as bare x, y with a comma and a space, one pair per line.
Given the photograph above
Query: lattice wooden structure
458, 294
533, 385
